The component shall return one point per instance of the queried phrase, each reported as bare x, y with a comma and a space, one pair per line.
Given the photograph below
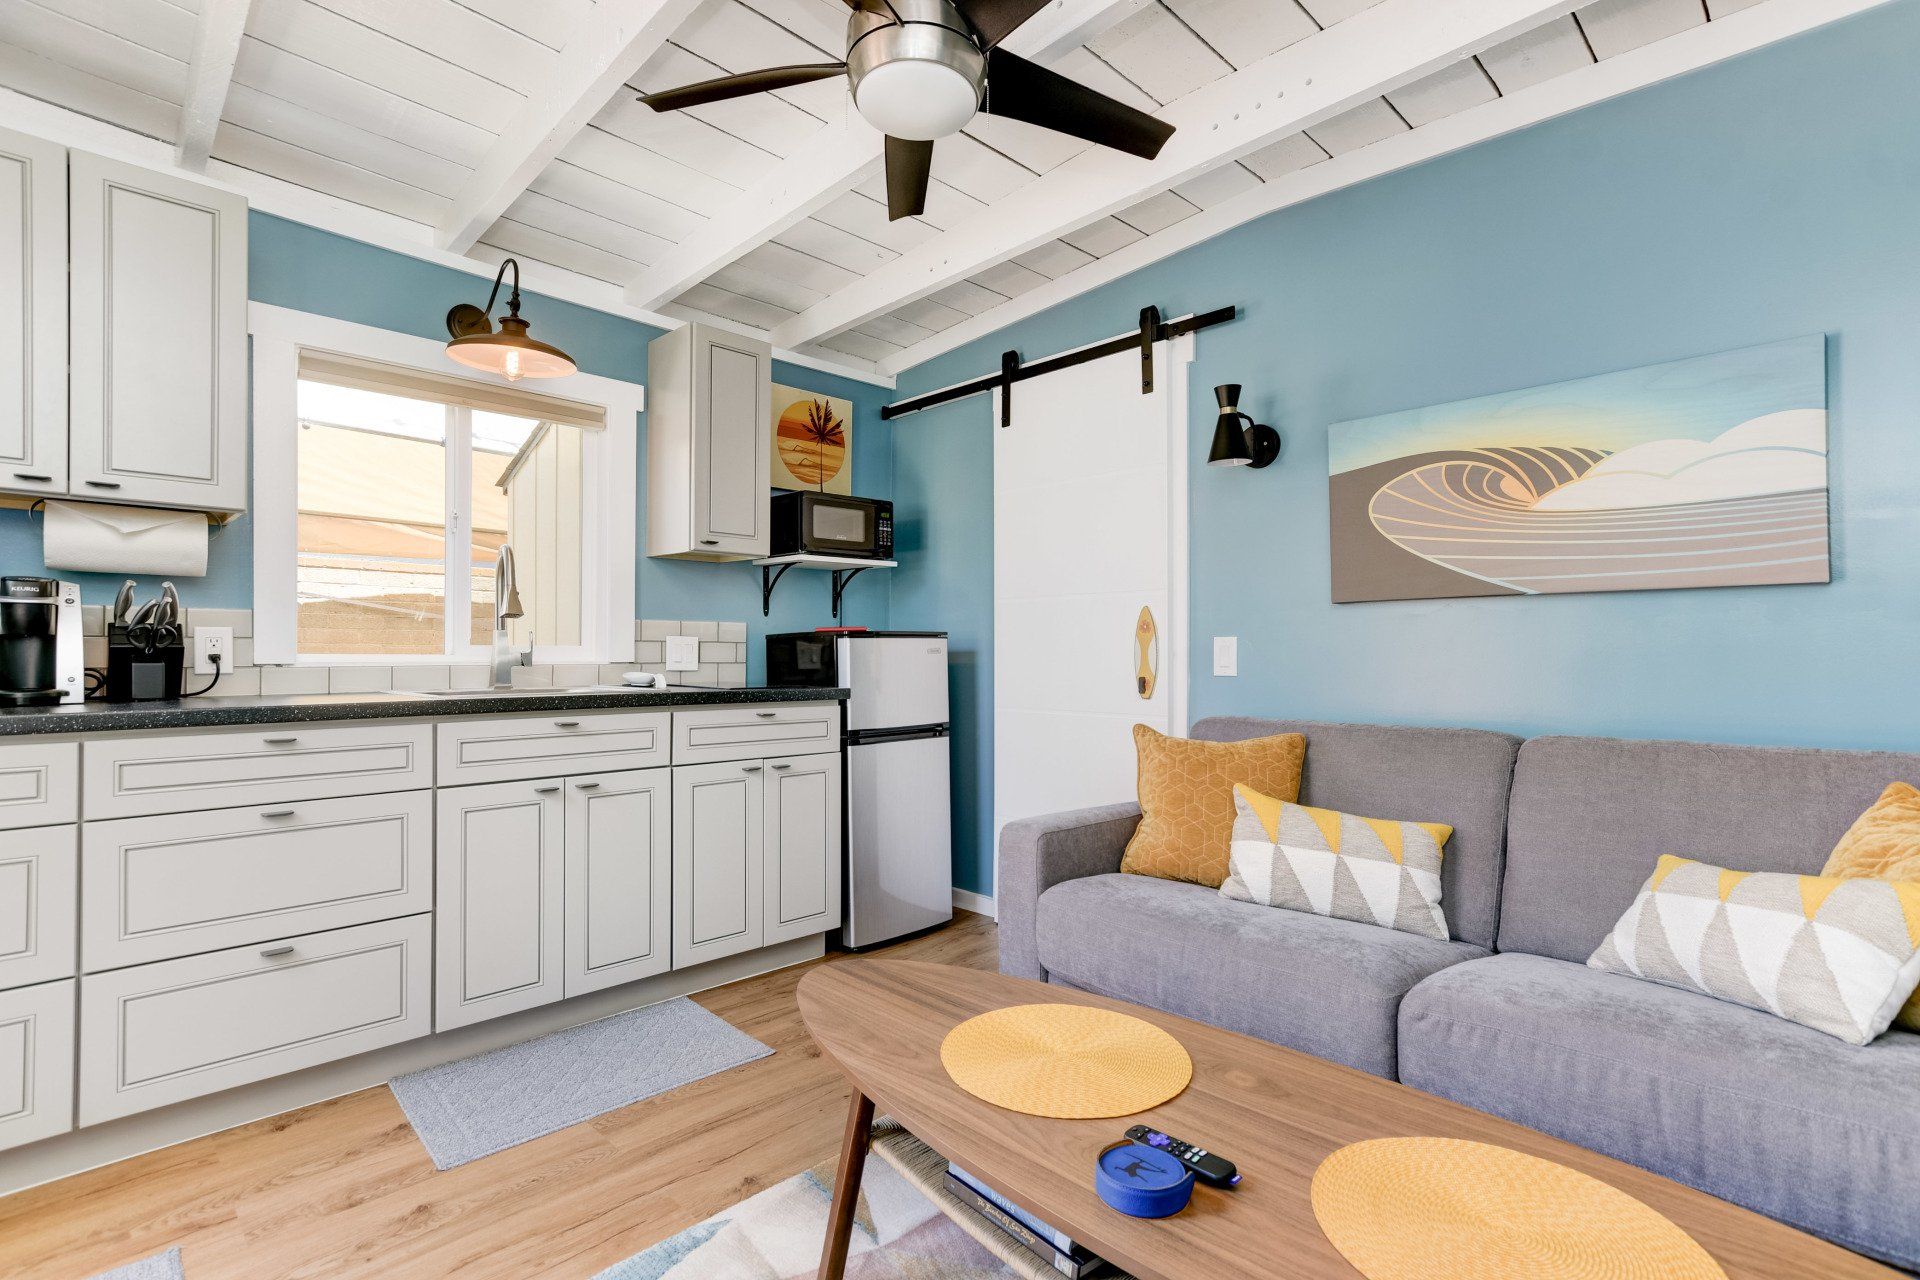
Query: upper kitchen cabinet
33, 315
709, 395
159, 338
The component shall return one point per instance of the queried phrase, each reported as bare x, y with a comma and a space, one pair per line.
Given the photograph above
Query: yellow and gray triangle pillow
1838, 955
1371, 870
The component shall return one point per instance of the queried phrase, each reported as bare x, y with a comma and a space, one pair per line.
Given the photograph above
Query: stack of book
1038, 1237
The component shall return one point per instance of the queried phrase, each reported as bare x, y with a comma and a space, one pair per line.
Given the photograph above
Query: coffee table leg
846, 1187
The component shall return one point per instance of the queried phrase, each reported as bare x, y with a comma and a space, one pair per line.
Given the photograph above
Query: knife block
142, 673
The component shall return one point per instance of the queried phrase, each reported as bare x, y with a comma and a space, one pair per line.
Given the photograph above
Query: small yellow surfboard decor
1146, 650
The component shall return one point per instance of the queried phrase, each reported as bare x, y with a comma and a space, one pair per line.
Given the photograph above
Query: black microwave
832, 524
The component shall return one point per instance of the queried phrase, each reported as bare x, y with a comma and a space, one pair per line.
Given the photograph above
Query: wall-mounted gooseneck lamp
1239, 441
508, 352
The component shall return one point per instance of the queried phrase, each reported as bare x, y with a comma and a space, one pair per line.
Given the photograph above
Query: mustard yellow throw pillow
1884, 843
1369, 870
1186, 799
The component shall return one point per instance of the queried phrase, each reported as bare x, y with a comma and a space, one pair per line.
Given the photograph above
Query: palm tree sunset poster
812, 437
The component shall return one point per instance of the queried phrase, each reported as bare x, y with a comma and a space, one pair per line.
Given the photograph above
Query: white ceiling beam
216, 43
1377, 50
837, 158
614, 40
1701, 46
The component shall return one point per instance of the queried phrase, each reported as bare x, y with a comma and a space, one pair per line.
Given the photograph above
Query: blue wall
1765, 198
295, 266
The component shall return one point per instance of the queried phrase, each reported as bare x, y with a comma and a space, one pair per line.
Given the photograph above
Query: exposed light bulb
512, 369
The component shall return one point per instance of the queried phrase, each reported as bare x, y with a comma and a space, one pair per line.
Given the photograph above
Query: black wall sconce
1239, 441
508, 352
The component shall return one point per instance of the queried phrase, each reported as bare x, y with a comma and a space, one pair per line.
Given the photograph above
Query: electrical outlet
1226, 655
208, 641
683, 653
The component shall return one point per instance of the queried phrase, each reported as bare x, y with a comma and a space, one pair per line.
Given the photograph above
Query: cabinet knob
281, 742
269, 953
103, 484
278, 813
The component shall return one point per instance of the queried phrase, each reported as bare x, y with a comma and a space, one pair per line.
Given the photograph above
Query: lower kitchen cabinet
801, 847
756, 854
36, 1063
499, 900
619, 839
39, 872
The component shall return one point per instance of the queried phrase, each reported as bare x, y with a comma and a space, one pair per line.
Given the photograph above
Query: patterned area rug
161, 1266
776, 1235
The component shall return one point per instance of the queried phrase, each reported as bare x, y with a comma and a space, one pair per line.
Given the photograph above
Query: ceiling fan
921, 69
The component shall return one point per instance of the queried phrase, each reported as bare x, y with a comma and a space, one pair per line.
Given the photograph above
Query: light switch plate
683, 653
1226, 655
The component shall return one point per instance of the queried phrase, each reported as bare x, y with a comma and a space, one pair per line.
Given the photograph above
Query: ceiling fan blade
724, 87
995, 20
1022, 90
908, 164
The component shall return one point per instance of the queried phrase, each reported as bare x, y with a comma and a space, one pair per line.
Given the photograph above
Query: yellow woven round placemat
1446, 1209
1066, 1061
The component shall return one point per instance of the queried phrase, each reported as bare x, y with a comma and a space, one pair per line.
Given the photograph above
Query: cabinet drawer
174, 885
189, 772
39, 785
36, 1063
160, 1033
551, 744
37, 877
750, 733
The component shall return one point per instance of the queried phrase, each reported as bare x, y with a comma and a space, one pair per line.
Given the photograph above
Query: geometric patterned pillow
1370, 870
1840, 956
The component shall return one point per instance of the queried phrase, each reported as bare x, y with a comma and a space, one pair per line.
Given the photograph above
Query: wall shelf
845, 569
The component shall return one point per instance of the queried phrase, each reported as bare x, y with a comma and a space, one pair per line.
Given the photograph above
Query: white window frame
609, 494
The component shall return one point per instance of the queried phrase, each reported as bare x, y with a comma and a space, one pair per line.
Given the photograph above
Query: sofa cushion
1455, 776
1591, 817
1773, 1116
1186, 799
1328, 987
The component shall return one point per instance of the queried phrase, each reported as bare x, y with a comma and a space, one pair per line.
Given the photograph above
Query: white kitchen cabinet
619, 842
499, 900
36, 1063
158, 378
710, 734
801, 847
545, 743
33, 315
709, 398
39, 784
717, 861
39, 875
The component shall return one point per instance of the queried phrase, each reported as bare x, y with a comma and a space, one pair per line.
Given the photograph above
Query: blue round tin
1142, 1182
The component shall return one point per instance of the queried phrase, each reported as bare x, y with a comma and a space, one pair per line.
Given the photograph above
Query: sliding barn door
1089, 488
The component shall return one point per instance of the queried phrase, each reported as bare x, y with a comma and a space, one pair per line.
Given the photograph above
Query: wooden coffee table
1274, 1112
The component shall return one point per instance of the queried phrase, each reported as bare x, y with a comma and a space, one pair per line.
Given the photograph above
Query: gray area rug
474, 1107
161, 1266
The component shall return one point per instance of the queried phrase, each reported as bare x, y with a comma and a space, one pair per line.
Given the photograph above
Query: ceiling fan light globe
916, 100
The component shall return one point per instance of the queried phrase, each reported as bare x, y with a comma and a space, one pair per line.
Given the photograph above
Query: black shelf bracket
770, 575
841, 577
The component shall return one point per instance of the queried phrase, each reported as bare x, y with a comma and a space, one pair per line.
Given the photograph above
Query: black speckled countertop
194, 713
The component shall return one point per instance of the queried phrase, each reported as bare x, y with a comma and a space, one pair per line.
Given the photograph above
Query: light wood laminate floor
343, 1189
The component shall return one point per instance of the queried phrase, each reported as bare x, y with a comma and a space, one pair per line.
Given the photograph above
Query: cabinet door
159, 338
39, 875
801, 847
499, 908
36, 1063
619, 877
717, 857
33, 315
732, 399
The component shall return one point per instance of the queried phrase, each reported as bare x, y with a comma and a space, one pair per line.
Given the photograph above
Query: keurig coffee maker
42, 649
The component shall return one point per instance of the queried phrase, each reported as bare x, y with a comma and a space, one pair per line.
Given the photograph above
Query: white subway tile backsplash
287, 681
733, 675
233, 684
93, 619
701, 630
360, 679
241, 620
654, 630
469, 676
242, 652
714, 651
612, 672
568, 674
429, 679
736, 631
94, 651
705, 676
534, 677
650, 651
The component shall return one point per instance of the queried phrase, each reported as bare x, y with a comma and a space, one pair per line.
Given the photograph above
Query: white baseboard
978, 903
115, 1140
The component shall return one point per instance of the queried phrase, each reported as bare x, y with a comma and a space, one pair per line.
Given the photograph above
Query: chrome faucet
506, 604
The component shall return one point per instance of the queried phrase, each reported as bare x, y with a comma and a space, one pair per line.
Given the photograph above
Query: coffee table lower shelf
926, 1171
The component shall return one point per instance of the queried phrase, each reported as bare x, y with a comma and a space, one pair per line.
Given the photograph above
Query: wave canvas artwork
1710, 472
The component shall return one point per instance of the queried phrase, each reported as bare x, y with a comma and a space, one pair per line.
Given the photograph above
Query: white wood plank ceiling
510, 127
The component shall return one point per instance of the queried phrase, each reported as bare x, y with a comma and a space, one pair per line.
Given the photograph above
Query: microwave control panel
883, 532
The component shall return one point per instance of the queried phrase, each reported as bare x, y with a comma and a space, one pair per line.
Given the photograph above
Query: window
401, 485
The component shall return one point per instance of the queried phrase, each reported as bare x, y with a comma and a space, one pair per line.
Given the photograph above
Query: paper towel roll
99, 538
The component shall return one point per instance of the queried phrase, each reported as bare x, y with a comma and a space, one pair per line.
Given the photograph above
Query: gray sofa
1553, 837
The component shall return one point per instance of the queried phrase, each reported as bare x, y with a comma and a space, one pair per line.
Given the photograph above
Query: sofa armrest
1039, 853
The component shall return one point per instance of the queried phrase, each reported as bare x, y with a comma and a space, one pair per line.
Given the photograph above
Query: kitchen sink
531, 691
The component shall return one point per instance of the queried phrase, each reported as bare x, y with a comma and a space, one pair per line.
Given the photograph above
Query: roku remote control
1211, 1169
